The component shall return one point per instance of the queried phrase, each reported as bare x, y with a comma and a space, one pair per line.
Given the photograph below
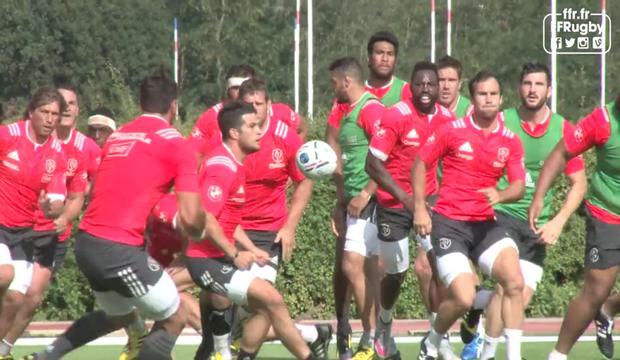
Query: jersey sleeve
293, 143
383, 141
370, 117
436, 146
57, 187
593, 130
405, 93
79, 181
93, 158
5, 139
185, 166
287, 115
336, 114
204, 127
218, 175
574, 164
515, 165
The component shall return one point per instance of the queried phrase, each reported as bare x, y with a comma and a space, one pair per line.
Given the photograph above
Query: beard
539, 105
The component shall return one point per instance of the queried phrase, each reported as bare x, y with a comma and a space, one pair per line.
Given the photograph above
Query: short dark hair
231, 116
62, 82
157, 92
481, 76
102, 110
348, 66
252, 86
450, 62
382, 36
423, 66
240, 70
43, 96
535, 67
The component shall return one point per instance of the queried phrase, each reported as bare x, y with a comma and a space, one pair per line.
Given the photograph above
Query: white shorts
23, 276
361, 237
395, 255
267, 272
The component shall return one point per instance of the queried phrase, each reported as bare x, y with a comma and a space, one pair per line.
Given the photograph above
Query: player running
539, 130
382, 50
149, 156
599, 130
405, 127
450, 83
217, 264
475, 152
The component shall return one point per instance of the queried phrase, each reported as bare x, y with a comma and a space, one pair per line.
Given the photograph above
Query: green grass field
531, 351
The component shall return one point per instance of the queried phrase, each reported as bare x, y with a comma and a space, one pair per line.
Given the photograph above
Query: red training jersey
163, 241
404, 130
78, 163
222, 180
26, 168
267, 173
339, 110
472, 161
140, 163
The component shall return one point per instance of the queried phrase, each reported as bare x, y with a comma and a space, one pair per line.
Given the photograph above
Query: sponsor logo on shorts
206, 279
153, 264
386, 230
445, 243
594, 256
226, 269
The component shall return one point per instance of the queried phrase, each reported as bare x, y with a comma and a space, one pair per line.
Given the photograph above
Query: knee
274, 299
14, 299
513, 286
7, 273
350, 267
398, 278
423, 269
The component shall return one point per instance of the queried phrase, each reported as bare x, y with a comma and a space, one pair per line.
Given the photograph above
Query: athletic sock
604, 313
5, 347
138, 325
433, 341
244, 355
206, 312
385, 315
220, 322
556, 355
157, 345
431, 318
513, 343
489, 348
483, 296
221, 343
308, 332
86, 329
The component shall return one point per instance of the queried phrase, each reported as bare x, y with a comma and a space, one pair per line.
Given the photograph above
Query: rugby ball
316, 159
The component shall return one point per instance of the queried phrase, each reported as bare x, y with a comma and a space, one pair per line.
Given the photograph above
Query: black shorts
59, 256
14, 239
471, 238
525, 238
110, 266
264, 240
393, 224
43, 246
602, 243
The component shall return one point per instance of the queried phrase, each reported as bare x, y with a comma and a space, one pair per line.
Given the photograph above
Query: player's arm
191, 215
244, 242
52, 199
331, 138
299, 199
515, 171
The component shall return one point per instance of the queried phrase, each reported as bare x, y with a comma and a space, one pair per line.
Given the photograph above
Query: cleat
384, 343
473, 350
604, 339
320, 346
364, 353
469, 325
445, 350
426, 354
343, 342
235, 347
133, 346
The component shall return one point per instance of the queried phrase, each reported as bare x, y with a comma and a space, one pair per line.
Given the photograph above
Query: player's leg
424, 274
604, 321
342, 289
498, 257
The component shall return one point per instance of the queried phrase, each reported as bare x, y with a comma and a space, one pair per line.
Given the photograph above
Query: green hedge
306, 281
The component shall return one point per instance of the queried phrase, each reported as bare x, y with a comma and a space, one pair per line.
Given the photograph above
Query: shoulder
445, 112
169, 133
282, 130
220, 161
56, 145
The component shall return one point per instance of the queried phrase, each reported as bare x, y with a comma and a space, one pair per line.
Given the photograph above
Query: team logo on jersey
578, 134
72, 165
385, 230
380, 133
214, 193
445, 243
466, 151
502, 154
13, 155
277, 155
412, 138
594, 256
50, 165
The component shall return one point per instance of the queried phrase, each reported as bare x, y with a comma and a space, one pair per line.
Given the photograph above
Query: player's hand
51, 209
286, 237
356, 205
550, 232
422, 221
534, 212
339, 221
262, 257
492, 195
244, 259
409, 203
60, 224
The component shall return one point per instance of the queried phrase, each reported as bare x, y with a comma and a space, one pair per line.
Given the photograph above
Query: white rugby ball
316, 159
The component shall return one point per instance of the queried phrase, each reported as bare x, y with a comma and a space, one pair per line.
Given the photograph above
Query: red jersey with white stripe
93, 154
77, 177
140, 163
206, 134
163, 242
472, 161
404, 130
26, 168
222, 180
267, 174
339, 110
